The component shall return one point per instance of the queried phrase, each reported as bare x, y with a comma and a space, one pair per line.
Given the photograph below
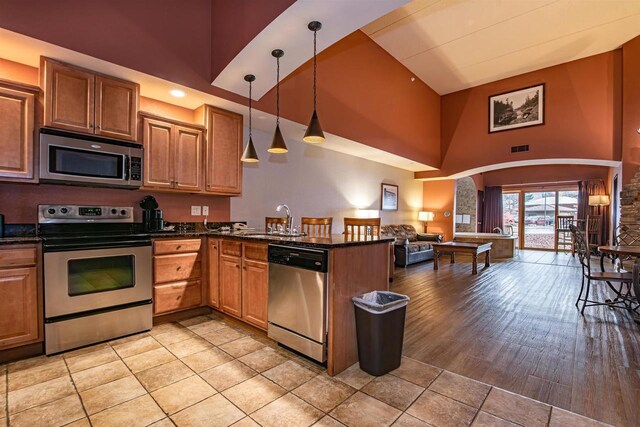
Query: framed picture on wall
517, 109
389, 197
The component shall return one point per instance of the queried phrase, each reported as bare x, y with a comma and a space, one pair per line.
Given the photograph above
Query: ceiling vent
519, 148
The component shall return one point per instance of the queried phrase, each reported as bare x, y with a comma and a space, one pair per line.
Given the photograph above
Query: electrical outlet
205, 210
195, 210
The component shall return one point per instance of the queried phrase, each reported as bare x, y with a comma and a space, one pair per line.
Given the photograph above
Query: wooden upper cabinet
17, 123
84, 101
69, 97
172, 154
116, 108
188, 158
158, 153
223, 170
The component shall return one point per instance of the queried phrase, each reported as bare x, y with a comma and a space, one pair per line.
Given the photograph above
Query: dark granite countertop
19, 240
333, 241
16, 234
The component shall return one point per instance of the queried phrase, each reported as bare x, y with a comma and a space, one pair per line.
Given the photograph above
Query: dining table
622, 251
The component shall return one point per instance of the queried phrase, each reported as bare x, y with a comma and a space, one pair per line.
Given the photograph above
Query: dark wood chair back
362, 227
582, 249
273, 222
594, 222
316, 227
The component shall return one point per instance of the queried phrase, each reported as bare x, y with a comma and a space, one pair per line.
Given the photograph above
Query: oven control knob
114, 211
64, 210
51, 211
123, 212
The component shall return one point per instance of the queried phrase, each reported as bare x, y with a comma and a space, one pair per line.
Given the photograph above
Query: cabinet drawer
171, 268
176, 296
161, 247
255, 251
231, 247
17, 257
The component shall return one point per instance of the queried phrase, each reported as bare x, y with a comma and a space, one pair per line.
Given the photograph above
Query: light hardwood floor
515, 326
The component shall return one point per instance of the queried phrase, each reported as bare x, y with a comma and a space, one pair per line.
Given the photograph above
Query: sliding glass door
511, 214
539, 219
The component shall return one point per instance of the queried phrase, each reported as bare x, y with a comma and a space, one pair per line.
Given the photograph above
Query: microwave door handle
127, 167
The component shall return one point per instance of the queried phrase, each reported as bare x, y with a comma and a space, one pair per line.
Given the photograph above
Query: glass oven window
70, 161
91, 275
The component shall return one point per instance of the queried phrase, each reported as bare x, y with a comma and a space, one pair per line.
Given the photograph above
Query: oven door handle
61, 247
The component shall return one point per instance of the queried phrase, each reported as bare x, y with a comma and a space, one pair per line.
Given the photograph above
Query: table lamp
425, 217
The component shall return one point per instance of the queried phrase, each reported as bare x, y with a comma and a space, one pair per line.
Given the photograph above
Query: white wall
317, 182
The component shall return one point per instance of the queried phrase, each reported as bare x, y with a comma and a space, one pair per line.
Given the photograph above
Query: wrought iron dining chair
584, 255
625, 236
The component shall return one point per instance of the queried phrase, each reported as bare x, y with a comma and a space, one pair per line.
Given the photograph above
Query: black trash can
380, 329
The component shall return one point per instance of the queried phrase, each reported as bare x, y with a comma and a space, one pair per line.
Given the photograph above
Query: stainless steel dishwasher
298, 299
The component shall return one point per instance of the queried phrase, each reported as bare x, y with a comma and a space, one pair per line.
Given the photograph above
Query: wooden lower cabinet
239, 280
177, 275
177, 296
255, 289
231, 285
213, 288
20, 321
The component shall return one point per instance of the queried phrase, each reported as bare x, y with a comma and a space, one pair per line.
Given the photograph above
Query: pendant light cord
250, 84
278, 91
315, 68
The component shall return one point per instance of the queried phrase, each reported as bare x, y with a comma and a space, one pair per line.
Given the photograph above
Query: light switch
205, 210
195, 210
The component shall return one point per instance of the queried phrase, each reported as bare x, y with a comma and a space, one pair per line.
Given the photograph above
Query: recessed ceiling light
638, 130
177, 93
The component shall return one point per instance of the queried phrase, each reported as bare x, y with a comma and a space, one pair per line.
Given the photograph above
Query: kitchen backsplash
18, 202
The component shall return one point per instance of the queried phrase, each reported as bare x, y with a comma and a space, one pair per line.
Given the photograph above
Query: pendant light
277, 144
249, 155
314, 134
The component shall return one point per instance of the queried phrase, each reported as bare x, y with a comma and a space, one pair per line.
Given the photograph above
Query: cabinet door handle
237, 266
178, 269
98, 127
178, 247
244, 268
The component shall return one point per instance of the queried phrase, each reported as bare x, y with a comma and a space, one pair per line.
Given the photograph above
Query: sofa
410, 246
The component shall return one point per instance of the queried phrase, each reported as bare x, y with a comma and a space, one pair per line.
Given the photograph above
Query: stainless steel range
97, 275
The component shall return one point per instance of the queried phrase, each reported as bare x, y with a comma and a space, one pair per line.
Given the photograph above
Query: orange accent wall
544, 174
366, 95
439, 197
18, 201
631, 109
582, 117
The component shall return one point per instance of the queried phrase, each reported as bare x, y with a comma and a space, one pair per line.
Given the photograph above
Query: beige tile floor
206, 371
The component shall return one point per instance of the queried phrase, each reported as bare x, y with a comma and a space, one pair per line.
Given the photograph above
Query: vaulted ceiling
456, 44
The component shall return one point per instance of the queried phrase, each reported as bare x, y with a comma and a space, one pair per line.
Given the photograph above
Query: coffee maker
151, 215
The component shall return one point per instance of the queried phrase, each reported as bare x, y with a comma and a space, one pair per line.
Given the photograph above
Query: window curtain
492, 211
588, 188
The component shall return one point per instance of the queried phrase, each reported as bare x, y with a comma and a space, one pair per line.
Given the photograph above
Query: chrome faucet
289, 217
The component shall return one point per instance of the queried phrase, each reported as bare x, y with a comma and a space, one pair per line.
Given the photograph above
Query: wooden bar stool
273, 222
316, 227
362, 227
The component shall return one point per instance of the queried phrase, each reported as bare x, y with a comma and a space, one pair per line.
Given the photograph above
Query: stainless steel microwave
69, 158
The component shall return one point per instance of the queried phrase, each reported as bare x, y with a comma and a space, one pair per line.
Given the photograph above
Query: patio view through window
535, 226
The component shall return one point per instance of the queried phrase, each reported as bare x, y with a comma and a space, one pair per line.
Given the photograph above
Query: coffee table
474, 249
